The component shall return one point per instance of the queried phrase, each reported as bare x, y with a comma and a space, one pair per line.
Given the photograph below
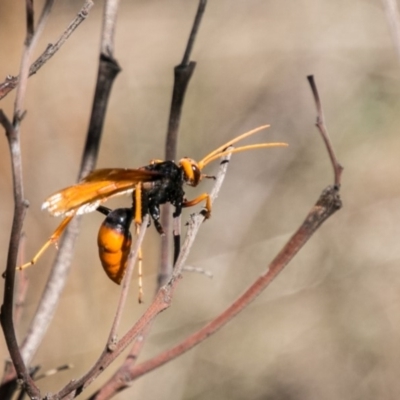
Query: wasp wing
96, 188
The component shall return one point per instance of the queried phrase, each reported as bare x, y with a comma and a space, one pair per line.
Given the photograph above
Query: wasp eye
191, 171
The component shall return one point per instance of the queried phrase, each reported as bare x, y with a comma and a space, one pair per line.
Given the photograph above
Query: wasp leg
138, 204
177, 236
140, 270
52, 239
154, 211
103, 210
155, 161
197, 200
177, 230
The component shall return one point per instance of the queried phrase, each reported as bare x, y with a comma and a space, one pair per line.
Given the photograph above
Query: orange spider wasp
158, 183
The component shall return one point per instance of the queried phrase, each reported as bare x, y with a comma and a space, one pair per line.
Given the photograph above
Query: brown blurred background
329, 326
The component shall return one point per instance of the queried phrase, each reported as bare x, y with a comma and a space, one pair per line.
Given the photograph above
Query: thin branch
11, 81
393, 18
320, 124
20, 205
22, 285
108, 70
108, 29
30, 20
182, 75
126, 281
30, 44
196, 24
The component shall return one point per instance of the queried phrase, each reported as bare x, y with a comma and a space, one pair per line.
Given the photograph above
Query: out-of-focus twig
30, 43
11, 81
182, 75
320, 124
20, 204
22, 284
393, 18
126, 281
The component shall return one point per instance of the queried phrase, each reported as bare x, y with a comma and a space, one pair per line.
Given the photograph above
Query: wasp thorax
191, 171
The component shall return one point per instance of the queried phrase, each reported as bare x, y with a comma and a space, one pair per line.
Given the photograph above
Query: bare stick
20, 206
126, 282
30, 20
13, 135
11, 81
108, 29
19, 307
196, 24
30, 44
320, 124
182, 75
22, 284
393, 18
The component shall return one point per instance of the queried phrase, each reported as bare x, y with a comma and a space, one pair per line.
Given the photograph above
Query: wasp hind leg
53, 239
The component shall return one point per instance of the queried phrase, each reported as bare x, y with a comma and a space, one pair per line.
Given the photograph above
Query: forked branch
20, 204
320, 124
11, 82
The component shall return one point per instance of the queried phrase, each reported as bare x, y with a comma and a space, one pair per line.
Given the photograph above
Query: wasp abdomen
114, 241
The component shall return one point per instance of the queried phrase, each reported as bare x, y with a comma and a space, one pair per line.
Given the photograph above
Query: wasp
152, 185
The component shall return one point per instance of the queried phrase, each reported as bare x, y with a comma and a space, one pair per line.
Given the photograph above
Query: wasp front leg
154, 211
197, 200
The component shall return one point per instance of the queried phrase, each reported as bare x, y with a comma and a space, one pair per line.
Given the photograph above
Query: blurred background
328, 327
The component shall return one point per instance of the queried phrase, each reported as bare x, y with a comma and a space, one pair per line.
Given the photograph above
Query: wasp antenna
245, 148
216, 153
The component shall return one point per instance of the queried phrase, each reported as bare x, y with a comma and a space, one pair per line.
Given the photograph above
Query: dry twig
13, 136
11, 82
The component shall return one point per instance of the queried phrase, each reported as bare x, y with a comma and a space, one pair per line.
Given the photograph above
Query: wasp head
191, 171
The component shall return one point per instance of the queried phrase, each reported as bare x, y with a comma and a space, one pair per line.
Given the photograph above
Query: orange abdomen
114, 241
